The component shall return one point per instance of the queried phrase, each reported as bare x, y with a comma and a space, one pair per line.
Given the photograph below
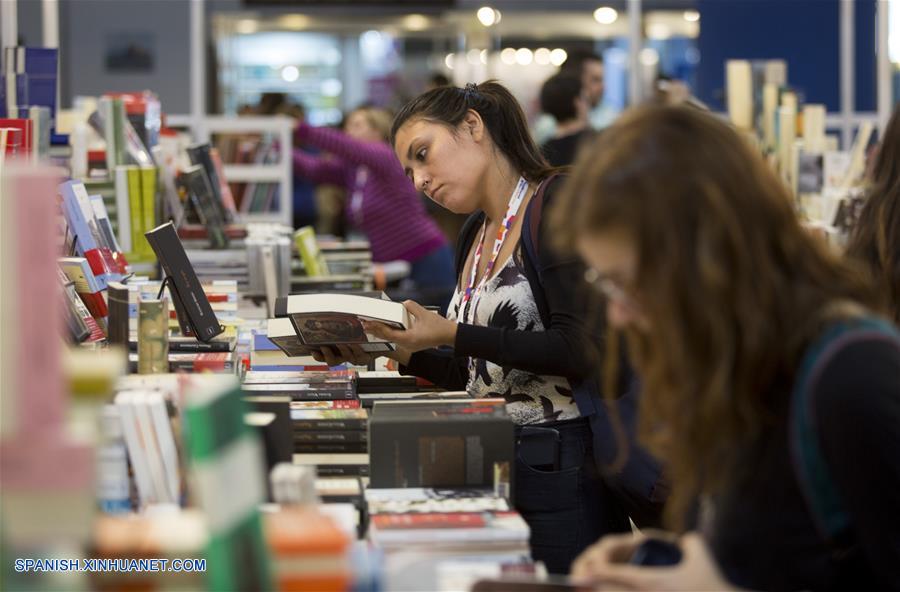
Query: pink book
227, 197
33, 402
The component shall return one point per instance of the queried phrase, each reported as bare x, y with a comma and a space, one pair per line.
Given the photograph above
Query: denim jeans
570, 508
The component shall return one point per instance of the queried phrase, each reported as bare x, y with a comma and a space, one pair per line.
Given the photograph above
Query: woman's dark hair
558, 95
500, 111
875, 240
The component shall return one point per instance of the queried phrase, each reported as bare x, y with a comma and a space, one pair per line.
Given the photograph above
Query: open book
330, 319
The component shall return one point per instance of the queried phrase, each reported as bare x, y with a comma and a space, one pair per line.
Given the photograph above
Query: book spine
329, 447
330, 436
153, 337
330, 424
118, 314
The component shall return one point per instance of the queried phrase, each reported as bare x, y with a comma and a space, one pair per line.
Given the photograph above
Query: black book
342, 470
335, 436
329, 419
200, 155
181, 344
277, 438
195, 315
117, 295
329, 447
450, 444
196, 184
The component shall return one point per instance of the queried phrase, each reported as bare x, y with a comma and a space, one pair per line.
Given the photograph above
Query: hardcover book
330, 319
195, 315
195, 183
440, 443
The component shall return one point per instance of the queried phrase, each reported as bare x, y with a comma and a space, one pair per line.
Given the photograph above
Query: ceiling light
247, 26
524, 56
558, 57
290, 73
691, 16
416, 22
606, 15
508, 56
448, 61
487, 16
542, 56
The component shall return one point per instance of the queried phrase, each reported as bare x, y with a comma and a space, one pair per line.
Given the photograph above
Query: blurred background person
382, 202
587, 66
562, 97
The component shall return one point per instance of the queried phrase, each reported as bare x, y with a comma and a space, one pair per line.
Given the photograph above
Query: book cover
190, 299
153, 336
200, 154
224, 189
123, 208
136, 209
330, 436
79, 215
326, 404
313, 262
118, 302
440, 443
196, 185
148, 176
104, 225
330, 419
328, 319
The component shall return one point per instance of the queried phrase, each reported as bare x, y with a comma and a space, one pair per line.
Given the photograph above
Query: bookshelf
280, 171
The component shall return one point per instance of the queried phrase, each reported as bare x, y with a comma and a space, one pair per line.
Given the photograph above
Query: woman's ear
473, 125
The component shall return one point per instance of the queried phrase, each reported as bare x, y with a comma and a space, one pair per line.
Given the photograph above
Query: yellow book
313, 261
139, 244
148, 208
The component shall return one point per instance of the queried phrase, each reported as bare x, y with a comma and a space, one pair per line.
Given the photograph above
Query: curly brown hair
732, 286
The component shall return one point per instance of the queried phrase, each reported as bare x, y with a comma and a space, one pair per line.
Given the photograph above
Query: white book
270, 278
163, 427
123, 208
327, 319
151, 446
137, 450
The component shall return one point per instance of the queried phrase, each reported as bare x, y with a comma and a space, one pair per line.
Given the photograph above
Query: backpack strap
816, 482
585, 392
531, 228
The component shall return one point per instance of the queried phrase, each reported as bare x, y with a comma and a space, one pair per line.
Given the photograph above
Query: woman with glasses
470, 151
771, 385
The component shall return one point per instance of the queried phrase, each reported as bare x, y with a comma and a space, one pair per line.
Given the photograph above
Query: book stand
185, 322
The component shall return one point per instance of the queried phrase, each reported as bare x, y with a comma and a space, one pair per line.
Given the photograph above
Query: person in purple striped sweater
383, 203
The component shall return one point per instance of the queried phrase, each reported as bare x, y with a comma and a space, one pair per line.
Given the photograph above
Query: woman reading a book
516, 328
771, 390
383, 204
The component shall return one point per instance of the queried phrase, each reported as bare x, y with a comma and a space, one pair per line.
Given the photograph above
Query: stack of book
475, 520
186, 353
335, 441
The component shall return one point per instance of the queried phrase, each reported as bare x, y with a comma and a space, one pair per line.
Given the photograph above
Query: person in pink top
383, 203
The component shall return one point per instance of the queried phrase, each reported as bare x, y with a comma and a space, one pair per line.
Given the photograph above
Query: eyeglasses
608, 287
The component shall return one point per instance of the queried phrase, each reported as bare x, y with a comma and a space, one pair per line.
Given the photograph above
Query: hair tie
471, 89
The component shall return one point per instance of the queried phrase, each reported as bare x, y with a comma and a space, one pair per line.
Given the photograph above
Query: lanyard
473, 292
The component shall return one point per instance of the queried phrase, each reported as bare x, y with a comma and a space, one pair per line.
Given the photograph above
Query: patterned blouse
507, 302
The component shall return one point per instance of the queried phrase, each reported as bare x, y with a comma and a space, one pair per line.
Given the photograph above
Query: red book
25, 127
430, 520
212, 362
95, 304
